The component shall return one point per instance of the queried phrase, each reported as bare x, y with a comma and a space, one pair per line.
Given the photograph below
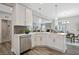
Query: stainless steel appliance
25, 42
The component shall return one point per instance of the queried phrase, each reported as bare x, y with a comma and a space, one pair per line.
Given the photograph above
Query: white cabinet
52, 40
33, 40
60, 42
37, 40
21, 43
29, 17
44, 39
23, 15
20, 14
47, 39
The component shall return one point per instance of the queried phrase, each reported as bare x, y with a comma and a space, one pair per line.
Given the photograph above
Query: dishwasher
25, 43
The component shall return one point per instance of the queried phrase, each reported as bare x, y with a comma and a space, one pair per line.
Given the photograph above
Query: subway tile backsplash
18, 29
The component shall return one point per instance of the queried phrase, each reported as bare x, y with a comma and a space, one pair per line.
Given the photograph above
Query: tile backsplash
17, 29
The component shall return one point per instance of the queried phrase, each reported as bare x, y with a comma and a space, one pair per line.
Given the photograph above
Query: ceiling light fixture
56, 18
56, 6
11, 9
67, 21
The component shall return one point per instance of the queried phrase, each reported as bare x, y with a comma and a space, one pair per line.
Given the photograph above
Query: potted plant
25, 30
71, 36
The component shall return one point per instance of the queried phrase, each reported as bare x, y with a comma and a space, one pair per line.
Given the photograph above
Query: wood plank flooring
5, 49
43, 51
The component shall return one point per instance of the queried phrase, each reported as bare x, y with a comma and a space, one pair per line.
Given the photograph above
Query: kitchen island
46, 39
55, 41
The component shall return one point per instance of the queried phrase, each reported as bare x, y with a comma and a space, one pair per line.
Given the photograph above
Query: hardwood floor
5, 49
43, 51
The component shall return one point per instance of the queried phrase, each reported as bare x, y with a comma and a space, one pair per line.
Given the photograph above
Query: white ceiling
9, 4
49, 9
63, 9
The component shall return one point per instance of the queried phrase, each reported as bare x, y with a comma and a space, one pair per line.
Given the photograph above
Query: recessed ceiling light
56, 18
11, 9
67, 21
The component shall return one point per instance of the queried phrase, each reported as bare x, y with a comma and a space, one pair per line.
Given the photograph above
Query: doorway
6, 30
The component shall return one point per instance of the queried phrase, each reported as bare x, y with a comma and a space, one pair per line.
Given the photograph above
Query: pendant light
56, 11
40, 20
56, 18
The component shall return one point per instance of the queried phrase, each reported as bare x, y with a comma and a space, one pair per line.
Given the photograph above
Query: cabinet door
44, 39
59, 42
50, 40
38, 40
20, 15
29, 18
33, 40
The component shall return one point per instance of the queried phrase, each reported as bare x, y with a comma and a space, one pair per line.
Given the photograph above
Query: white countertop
61, 33
40, 32
23, 34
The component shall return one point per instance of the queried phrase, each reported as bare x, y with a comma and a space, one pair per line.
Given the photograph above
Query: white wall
5, 16
73, 25
5, 9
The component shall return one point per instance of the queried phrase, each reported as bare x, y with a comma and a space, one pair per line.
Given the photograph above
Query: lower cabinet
21, 43
37, 40
60, 42
44, 39
51, 40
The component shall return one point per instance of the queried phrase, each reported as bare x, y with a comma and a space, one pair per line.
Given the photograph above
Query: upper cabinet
20, 15
29, 17
23, 15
